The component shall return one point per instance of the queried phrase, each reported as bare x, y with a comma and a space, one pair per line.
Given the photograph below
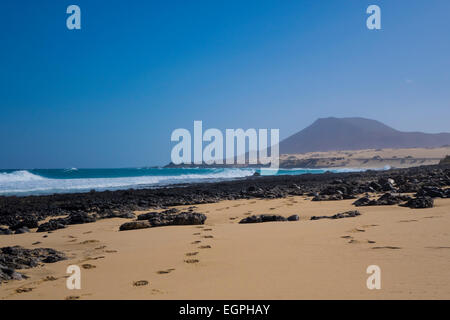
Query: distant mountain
330, 134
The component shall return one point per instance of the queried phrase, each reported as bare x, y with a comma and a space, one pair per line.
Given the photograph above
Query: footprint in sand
356, 230
22, 290
89, 241
205, 247
88, 266
95, 258
49, 278
72, 298
407, 221
87, 232
387, 247
140, 283
191, 261
196, 234
437, 247
346, 237
35, 243
100, 248
209, 229
190, 254
200, 227
369, 225
165, 271
195, 242
208, 237
110, 251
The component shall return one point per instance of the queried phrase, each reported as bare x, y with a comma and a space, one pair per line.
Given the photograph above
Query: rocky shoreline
20, 214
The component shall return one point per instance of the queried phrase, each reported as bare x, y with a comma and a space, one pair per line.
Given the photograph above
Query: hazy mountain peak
327, 134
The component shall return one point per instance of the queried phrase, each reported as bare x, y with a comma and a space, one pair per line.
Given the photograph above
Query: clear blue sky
110, 95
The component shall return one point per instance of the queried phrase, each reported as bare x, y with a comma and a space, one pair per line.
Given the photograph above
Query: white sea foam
20, 182
18, 176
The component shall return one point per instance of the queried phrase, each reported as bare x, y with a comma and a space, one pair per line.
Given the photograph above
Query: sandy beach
222, 259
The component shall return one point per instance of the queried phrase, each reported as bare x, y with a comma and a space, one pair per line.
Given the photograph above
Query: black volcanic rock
22, 230
80, 218
134, 225
162, 219
386, 199
432, 192
16, 257
329, 134
28, 222
294, 217
4, 231
420, 203
263, 218
184, 218
51, 225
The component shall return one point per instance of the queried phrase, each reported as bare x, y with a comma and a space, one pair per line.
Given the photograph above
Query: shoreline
40, 207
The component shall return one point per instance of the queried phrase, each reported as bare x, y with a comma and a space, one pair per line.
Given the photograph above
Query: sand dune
367, 158
222, 259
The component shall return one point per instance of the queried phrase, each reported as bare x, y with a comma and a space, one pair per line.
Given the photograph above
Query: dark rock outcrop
184, 218
386, 199
420, 203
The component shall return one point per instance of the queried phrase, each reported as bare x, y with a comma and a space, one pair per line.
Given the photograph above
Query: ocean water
49, 181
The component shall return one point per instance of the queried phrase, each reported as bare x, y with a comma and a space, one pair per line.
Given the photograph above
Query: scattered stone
263, 218
133, 225
294, 217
